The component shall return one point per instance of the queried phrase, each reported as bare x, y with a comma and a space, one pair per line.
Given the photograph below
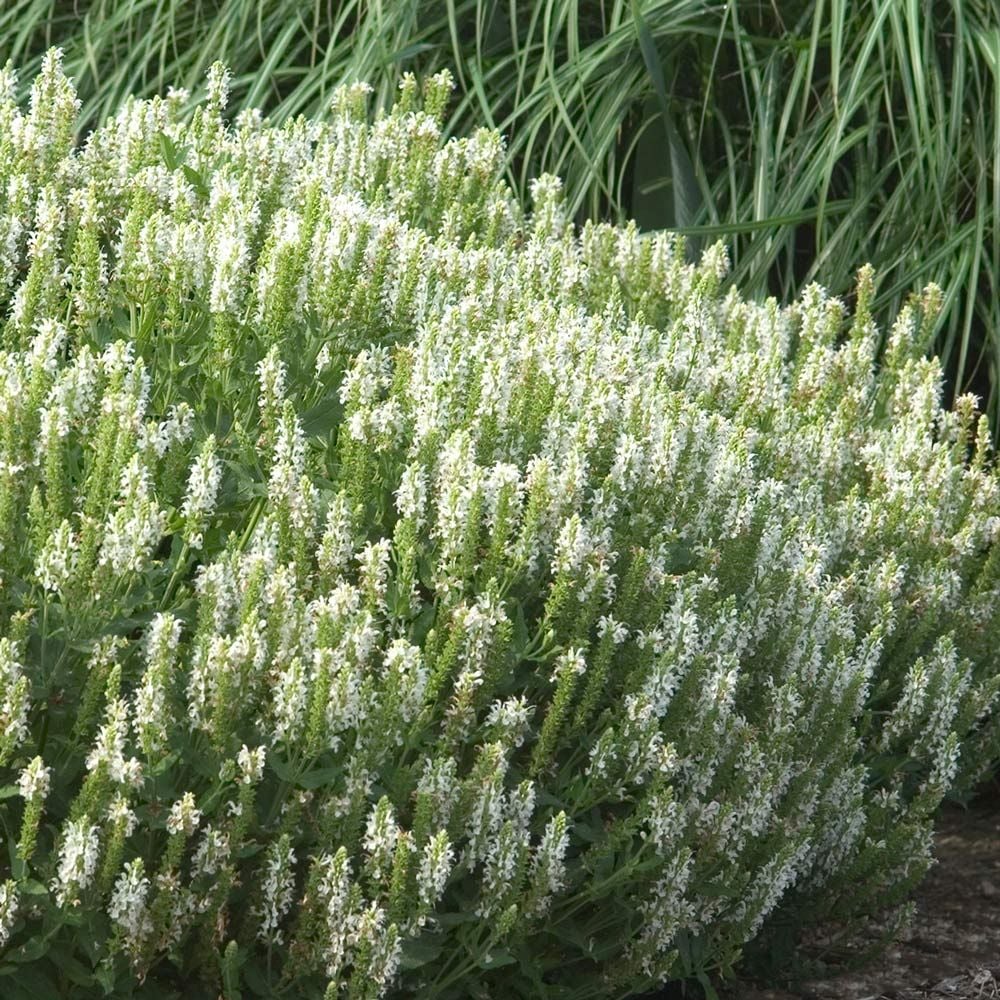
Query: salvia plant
406, 594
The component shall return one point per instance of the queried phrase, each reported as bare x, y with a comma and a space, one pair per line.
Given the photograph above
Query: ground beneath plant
951, 951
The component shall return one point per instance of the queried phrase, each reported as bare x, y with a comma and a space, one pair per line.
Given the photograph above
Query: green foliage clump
406, 595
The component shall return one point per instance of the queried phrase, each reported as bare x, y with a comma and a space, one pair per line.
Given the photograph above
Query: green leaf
720, 890
30, 984
521, 637
164, 764
454, 919
232, 961
421, 951
321, 776
105, 975
425, 572
282, 768
686, 193
74, 970
172, 156
422, 624
706, 985
256, 980
545, 798
18, 867
31, 950
320, 419
195, 180
406, 53
496, 959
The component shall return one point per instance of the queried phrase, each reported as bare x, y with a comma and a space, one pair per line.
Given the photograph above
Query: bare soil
951, 951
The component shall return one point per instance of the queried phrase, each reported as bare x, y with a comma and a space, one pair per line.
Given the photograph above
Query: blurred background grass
810, 135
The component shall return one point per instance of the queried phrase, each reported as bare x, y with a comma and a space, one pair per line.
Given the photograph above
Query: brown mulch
951, 951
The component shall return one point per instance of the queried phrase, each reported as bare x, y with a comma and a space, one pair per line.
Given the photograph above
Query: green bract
402, 595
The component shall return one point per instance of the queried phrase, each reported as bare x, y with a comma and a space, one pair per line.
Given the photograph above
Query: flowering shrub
405, 594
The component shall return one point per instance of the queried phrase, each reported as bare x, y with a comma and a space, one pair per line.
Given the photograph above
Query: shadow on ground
952, 948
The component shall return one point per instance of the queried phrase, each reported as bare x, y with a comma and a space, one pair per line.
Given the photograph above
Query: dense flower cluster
401, 592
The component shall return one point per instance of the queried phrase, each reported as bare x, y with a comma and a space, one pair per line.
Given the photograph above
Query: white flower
184, 817
510, 719
548, 866
134, 528
336, 546
291, 696
109, 746
202, 490
570, 662
78, 852
573, 546
212, 851
175, 430
229, 255
33, 783
56, 563
411, 496
384, 947
251, 764
334, 891
150, 708
15, 701
46, 346
119, 814
373, 564
9, 899
618, 630
436, 861
271, 378
277, 889
127, 906
405, 671
380, 837
288, 487
503, 859
323, 359
219, 80
438, 785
